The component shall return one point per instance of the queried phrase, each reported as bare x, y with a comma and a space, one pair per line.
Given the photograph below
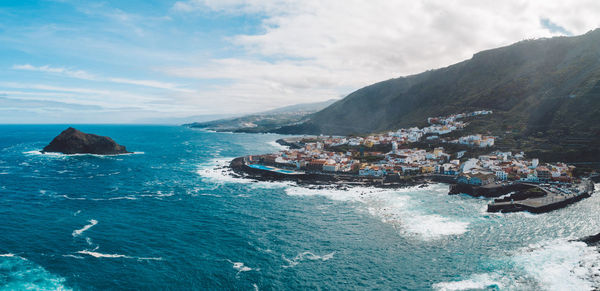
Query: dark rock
73, 141
592, 240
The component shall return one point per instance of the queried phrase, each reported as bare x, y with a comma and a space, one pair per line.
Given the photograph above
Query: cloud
313, 50
79, 74
150, 83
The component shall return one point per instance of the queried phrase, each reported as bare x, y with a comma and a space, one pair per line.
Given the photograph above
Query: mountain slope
539, 90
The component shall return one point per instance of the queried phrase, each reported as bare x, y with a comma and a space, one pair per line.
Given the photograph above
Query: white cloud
315, 50
150, 83
80, 74
67, 72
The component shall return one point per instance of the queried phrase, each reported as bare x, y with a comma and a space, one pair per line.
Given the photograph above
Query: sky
140, 61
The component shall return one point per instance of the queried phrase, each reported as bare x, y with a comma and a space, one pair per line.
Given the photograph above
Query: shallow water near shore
170, 217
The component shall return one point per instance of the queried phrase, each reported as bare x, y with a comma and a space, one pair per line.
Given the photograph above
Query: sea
170, 217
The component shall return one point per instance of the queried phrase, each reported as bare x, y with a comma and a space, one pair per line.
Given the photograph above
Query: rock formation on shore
592, 240
73, 141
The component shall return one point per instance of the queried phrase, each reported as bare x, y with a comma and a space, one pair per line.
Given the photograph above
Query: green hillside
545, 95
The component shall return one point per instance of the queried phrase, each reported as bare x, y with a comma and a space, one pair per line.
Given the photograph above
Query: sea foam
78, 232
53, 154
474, 282
306, 256
394, 207
116, 256
561, 265
216, 171
18, 273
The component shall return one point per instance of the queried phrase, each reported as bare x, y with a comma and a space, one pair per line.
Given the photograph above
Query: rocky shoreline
241, 169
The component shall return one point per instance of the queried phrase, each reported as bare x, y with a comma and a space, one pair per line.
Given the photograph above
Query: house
330, 167
368, 171
476, 179
543, 173
315, 165
481, 179
501, 175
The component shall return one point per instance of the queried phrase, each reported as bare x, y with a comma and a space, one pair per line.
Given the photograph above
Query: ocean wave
100, 199
474, 282
78, 232
240, 267
61, 155
122, 198
217, 171
159, 194
561, 265
277, 146
304, 256
18, 273
396, 207
72, 198
117, 256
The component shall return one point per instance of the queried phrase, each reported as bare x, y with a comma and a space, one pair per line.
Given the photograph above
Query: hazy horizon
124, 62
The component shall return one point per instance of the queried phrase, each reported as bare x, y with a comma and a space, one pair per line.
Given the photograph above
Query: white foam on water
159, 194
72, 198
561, 265
73, 256
394, 206
474, 282
78, 232
88, 240
277, 146
18, 273
207, 194
122, 198
306, 256
115, 256
76, 212
240, 267
61, 155
217, 171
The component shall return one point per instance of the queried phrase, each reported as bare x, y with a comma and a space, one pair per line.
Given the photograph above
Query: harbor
554, 198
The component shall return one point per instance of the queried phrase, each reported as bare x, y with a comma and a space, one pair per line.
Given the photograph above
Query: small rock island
73, 141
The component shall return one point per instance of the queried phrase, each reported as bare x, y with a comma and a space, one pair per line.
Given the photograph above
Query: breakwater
548, 201
488, 191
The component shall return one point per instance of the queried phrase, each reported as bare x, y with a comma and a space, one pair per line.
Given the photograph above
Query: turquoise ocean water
168, 217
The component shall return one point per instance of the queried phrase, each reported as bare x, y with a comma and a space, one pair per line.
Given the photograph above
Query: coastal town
363, 156
393, 156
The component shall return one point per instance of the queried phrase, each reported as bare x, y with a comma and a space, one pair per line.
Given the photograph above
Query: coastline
511, 197
317, 179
